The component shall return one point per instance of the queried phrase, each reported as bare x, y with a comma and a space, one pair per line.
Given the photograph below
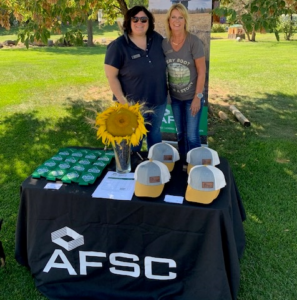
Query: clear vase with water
122, 155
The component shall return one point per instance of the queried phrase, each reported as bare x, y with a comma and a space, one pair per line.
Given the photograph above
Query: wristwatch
200, 95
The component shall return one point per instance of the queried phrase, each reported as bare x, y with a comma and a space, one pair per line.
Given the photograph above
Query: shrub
288, 26
218, 28
72, 37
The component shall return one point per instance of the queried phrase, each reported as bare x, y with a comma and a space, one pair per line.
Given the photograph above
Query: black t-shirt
142, 73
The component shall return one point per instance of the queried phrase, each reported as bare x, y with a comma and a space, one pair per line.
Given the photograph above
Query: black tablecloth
141, 249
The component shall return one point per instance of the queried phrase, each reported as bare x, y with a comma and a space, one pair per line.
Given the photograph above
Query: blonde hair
184, 12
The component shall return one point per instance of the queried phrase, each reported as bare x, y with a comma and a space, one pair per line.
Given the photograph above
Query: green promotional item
85, 162
98, 152
87, 178
64, 152
71, 176
51, 163
69, 165
109, 153
54, 175
41, 171
105, 158
71, 160
85, 151
100, 163
79, 168
77, 154
91, 156
57, 158
95, 170
64, 165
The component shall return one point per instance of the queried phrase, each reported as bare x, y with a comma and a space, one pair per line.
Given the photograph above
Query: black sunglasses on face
141, 19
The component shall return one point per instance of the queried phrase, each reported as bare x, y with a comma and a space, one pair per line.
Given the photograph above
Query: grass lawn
45, 96
258, 78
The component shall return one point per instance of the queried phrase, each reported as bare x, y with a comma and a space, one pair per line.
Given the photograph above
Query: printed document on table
116, 186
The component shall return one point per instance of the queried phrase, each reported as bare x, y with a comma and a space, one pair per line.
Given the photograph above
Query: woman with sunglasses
136, 69
186, 76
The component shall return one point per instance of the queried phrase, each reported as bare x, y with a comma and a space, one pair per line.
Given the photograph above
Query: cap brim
170, 165
204, 197
153, 191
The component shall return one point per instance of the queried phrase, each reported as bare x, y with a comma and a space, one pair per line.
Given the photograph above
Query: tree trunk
123, 6
90, 32
291, 27
246, 32
253, 39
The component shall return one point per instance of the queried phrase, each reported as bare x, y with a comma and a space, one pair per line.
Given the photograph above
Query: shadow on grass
271, 115
262, 156
264, 163
28, 141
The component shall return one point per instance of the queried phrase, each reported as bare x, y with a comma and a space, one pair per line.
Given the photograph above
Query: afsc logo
168, 117
124, 264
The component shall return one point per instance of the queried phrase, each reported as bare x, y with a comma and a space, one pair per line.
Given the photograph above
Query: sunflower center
122, 122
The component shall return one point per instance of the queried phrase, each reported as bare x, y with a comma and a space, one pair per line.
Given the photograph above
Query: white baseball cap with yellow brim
165, 153
204, 184
201, 156
150, 177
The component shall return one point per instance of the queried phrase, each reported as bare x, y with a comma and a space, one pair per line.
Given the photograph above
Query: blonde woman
186, 76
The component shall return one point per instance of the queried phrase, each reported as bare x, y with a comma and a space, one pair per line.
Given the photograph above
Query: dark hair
134, 11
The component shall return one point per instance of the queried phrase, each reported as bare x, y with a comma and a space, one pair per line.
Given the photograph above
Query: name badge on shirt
135, 56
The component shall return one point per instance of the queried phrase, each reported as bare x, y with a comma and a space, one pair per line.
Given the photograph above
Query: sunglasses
141, 19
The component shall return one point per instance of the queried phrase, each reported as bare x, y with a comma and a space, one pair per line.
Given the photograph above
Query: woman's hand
195, 106
114, 83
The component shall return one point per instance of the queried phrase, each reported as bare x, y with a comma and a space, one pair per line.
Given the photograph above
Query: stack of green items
82, 166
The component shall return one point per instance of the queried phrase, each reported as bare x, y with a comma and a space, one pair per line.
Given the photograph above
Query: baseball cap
204, 184
164, 153
150, 177
202, 156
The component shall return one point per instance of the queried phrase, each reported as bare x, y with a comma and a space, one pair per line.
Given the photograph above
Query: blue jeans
154, 135
187, 126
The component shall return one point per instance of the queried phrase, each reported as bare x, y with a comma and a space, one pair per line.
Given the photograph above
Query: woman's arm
114, 83
201, 71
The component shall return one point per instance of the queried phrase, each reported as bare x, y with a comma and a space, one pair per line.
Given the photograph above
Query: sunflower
121, 122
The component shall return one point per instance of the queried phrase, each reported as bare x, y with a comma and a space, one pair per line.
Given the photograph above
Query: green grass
259, 79
52, 69
45, 96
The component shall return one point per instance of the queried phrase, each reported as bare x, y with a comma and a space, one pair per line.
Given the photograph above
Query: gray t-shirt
182, 73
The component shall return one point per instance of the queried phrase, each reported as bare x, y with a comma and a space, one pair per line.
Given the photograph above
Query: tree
287, 23
5, 12
132, 3
253, 15
39, 18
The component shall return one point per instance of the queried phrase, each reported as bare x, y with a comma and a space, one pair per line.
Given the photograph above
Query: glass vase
122, 155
